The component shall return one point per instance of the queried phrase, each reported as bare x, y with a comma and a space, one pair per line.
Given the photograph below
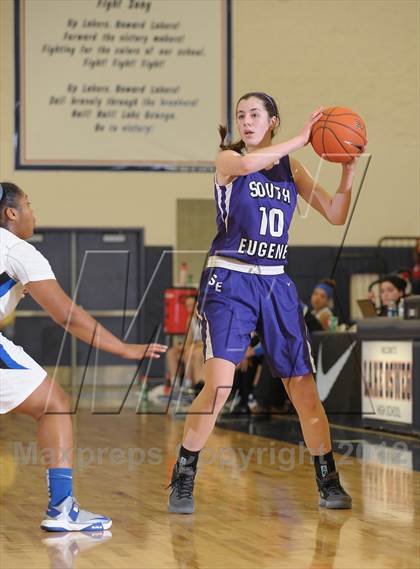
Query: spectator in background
392, 290
270, 395
322, 302
312, 322
405, 273
415, 272
187, 357
246, 375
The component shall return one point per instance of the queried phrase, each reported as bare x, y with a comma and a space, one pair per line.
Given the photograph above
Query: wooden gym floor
254, 507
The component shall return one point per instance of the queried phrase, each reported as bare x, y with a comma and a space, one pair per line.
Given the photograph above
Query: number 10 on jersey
274, 221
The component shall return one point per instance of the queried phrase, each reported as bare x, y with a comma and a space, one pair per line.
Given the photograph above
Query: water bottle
183, 271
401, 309
333, 324
392, 309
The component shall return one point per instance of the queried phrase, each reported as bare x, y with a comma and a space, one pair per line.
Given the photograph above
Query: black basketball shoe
181, 500
332, 494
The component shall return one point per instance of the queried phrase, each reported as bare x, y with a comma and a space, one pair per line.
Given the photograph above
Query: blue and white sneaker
67, 516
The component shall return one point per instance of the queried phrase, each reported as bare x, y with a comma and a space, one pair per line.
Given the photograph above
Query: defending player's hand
140, 351
306, 131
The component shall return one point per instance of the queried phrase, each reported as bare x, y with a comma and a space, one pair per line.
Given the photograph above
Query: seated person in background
392, 290
405, 273
270, 395
402, 273
312, 322
253, 376
322, 302
415, 271
246, 375
187, 357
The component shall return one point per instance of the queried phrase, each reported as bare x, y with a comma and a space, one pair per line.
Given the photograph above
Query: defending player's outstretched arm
52, 298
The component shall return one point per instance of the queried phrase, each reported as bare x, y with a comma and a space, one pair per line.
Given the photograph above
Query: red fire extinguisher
176, 315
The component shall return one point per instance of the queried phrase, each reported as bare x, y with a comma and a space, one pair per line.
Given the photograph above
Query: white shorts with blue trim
20, 375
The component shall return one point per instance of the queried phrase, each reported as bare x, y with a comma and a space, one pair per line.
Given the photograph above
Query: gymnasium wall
364, 55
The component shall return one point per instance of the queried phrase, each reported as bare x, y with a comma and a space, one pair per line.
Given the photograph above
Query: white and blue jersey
20, 263
244, 287
254, 214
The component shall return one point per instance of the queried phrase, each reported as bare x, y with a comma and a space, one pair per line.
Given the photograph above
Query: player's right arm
52, 298
230, 163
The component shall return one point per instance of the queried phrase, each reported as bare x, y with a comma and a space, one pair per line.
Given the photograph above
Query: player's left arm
333, 208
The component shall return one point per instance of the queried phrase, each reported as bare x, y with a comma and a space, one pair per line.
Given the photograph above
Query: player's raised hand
306, 131
350, 167
140, 351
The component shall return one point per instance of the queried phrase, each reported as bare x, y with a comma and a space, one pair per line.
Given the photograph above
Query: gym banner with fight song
121, 84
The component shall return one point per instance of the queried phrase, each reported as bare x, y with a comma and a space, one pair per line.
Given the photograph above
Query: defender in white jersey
24, 385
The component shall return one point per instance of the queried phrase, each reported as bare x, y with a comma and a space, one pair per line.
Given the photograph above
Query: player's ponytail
236, 146
223, 133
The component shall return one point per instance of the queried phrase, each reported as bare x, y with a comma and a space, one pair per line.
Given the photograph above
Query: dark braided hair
270, 106
9, 197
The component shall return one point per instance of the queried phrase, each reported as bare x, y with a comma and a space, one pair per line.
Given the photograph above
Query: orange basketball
339, 135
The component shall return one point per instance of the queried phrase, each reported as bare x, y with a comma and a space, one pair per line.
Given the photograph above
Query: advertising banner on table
122, 84
387, 381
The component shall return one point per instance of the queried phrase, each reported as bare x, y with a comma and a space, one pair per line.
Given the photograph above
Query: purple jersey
254, 214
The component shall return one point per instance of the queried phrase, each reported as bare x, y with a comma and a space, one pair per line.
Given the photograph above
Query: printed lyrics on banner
122, 79
156, 42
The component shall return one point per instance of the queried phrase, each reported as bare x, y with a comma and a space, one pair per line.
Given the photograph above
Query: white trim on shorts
208, 344
16, 385
208, 348
235, 265
310, 356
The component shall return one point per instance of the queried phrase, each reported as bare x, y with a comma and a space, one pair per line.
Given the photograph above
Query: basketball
339, 135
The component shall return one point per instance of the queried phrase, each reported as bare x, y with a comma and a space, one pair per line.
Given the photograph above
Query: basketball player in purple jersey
245, 288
